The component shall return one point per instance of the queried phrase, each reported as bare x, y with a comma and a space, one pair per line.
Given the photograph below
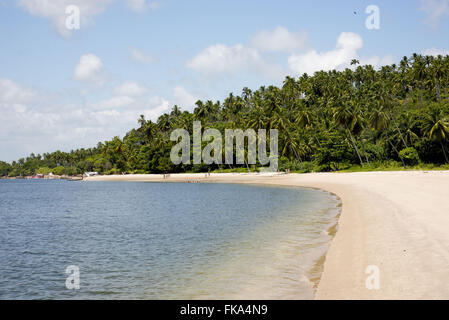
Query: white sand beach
397, 221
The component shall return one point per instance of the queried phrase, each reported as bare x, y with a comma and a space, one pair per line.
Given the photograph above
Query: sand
397, 222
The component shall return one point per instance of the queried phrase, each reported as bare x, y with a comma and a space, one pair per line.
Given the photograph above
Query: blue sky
64, 89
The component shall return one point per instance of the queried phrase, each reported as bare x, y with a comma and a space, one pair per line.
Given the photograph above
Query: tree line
363, 118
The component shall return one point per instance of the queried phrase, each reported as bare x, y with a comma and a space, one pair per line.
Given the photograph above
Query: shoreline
395, 221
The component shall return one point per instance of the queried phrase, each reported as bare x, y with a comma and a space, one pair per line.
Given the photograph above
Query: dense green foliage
329, 121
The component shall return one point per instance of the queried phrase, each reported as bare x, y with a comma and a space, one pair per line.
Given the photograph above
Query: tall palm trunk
246, 163
298, 157
399, 155
364, 151
444, 152
399, 130
316, 138
355, 146
438, 90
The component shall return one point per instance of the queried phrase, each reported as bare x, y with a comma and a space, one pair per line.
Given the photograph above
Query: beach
395, 222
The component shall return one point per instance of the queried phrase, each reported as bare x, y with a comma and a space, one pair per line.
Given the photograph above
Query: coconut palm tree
306, 120
343, 116
437, 128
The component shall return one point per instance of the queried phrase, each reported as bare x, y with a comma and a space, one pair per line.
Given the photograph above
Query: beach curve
393, 221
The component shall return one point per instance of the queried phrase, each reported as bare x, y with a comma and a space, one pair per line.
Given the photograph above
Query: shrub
113, 171
410, 156
44, 170
59, 171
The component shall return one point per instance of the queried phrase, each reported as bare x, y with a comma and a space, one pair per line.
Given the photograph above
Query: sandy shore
396, 221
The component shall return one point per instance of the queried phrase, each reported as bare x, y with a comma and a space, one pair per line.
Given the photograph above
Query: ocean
135, 240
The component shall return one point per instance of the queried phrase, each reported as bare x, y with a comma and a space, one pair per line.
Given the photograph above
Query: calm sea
161, 240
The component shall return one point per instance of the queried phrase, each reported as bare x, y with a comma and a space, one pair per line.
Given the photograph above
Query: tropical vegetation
362, 118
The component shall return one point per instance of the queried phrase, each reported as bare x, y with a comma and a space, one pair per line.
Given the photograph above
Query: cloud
435, 11
131, 89
435, 52
54, 11
141, 5
346, 49
348, 44
158, 106
141, 57
183, 99
250, 58
30, 125
114, 102
88, 68
378, 62
279, 39
220, 58
12, 92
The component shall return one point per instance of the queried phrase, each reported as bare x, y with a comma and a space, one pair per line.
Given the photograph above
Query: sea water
132, 240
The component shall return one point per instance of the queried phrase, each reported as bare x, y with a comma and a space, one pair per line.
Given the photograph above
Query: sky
64, 87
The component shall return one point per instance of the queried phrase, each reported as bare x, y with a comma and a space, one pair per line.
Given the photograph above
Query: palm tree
201, 111
141, 120
437, 128
410, 136
438, 69
305, 118
257, 118
343, 116
385, 101
419, 72
290, 145
379, 122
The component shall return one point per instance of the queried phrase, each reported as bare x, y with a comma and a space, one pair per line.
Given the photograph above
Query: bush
59, 171
410, 156
44, 170
5, 168
112, 171
293, 165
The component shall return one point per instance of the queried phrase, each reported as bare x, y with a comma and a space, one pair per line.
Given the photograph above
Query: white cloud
279, 39
184, 99
54, 10
435, 52
131, 89
32, 122
29, 125
141, 57
88, 68
220, 58
12, 92
114, 102
348, 44
378, 62
435, 11
158, 106
141, 5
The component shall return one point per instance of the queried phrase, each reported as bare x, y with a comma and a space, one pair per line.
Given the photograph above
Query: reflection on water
161, 241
